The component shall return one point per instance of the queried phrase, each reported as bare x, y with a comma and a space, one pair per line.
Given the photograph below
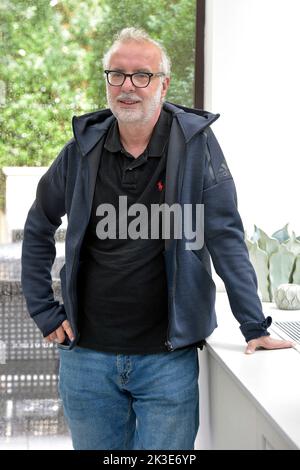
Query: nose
128, 85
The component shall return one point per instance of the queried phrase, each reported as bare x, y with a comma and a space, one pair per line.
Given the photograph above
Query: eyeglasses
138, 79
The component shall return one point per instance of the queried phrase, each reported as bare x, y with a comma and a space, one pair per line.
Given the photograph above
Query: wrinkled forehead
131, 56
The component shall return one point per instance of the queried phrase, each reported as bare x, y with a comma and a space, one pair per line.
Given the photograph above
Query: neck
137, 135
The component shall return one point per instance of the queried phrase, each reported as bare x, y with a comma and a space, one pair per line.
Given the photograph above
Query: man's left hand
267, 342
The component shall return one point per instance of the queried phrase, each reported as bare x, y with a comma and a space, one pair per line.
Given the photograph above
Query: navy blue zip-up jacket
196, 173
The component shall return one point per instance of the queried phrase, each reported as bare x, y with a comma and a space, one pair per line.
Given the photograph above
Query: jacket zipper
76, 257
168, 343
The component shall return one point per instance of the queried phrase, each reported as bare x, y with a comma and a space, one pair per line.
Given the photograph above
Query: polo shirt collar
158, 140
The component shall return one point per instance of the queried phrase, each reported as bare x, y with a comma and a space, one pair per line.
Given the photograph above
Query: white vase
287, 296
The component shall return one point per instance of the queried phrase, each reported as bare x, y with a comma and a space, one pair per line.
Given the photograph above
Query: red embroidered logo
160, 185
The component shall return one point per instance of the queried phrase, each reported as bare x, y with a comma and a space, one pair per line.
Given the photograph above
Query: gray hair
137, 35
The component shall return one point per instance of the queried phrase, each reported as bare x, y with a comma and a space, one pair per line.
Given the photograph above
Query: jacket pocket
193, 314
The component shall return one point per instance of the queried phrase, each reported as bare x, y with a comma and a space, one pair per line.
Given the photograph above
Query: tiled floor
36, 443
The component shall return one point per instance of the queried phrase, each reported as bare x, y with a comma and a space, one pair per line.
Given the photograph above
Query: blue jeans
130, 402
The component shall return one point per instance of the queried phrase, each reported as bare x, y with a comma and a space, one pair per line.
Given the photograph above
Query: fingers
267, 342
284, 344
250, 349
56, 336
67, 328
253, 344
59, 334
272, 343
51, 337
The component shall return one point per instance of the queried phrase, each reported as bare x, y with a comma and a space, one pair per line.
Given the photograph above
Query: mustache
128, 97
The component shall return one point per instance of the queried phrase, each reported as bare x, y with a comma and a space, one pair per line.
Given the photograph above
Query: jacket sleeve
225, 240
38, 248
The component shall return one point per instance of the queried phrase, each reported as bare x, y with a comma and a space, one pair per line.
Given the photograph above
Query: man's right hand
60, 333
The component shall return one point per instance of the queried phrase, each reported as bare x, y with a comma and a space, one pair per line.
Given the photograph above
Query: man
137, 307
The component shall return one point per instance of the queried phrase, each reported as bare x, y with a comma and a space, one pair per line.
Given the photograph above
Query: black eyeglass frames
138, 79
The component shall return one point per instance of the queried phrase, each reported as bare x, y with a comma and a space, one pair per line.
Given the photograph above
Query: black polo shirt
122, 283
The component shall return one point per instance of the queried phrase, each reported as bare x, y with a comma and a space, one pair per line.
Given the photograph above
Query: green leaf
266, 243
282, 234
280, 266
256, 234
293, 244
296, 273
259, 260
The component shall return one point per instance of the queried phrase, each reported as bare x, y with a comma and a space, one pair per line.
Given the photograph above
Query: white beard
144, 113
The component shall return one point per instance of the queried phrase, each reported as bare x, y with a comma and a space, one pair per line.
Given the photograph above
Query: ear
165, 86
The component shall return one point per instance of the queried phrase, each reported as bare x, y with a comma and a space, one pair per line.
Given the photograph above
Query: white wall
21, 184
252, 78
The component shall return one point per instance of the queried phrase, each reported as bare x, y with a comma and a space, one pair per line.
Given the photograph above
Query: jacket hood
89, 128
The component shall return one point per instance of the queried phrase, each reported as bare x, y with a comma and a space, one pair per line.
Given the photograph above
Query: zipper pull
169, 346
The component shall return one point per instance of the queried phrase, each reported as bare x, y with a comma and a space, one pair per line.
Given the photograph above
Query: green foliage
51, 65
